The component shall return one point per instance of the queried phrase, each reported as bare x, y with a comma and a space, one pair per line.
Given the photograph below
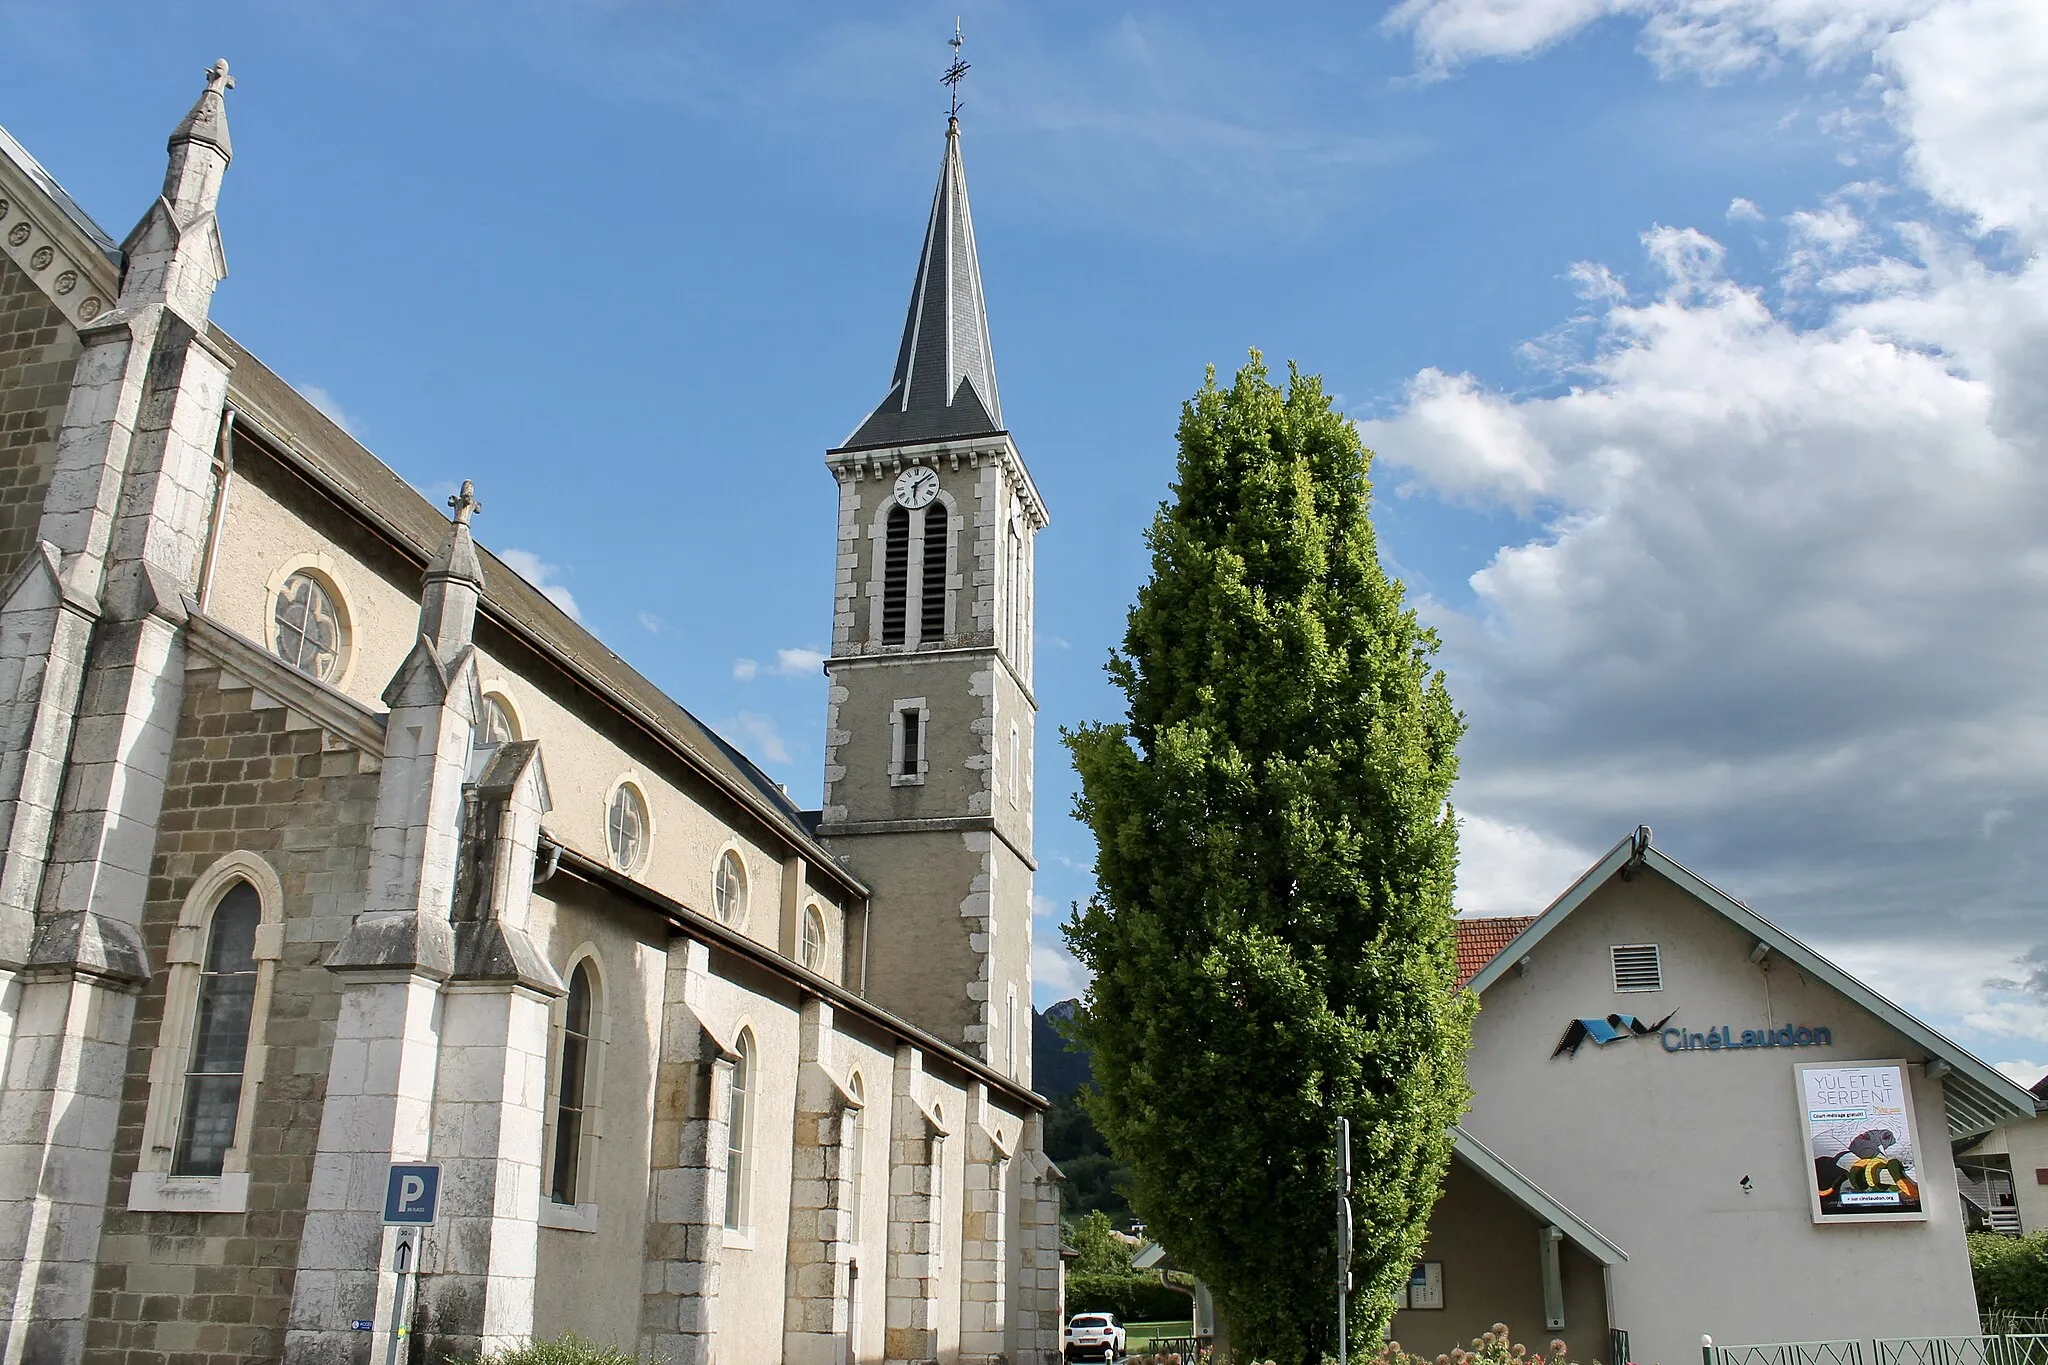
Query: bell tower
930, 723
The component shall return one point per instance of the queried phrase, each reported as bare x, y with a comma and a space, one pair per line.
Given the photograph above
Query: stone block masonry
249, 775
38, 353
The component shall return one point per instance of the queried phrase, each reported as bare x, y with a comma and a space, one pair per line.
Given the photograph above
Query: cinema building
1686, 1122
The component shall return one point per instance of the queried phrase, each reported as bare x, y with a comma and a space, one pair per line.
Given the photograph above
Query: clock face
916, 487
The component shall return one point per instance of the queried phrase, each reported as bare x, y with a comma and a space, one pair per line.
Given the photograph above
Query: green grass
1142, 1334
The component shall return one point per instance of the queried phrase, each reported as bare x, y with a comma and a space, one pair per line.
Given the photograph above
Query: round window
812, 950
308, 627
729, 887
626, 827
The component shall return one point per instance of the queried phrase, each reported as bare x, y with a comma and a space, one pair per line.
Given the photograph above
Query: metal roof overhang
1977, 1096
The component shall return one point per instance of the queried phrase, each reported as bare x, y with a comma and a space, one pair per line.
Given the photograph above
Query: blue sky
1696, 337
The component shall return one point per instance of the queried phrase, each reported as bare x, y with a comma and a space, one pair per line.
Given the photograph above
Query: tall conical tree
1271, 934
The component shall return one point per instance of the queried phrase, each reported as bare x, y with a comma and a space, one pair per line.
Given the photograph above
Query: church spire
945, 380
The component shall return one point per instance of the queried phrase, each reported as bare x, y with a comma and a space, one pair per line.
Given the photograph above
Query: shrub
2011, 1272
566, 1350
1497, 1347
1133, 1298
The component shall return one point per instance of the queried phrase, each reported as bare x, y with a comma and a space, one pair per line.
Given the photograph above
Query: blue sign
411, 1195
361, 1325
1723, 1038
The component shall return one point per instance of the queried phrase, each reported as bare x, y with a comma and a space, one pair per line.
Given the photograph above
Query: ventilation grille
1637, 967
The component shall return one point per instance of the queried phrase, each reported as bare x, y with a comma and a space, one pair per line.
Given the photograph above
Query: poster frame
1836, 1220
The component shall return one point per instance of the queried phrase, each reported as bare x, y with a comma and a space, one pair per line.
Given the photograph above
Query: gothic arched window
932, 618
220, 1034
895, 575
572, 1091
856, 1186
739, 1133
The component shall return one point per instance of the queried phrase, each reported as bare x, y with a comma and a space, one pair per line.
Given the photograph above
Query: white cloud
799, 663
1508, 869
2025, 1072
1785, 590
761, 734
651, 623
324, 401
1742, 210
789, 663
544, 578
1055, 975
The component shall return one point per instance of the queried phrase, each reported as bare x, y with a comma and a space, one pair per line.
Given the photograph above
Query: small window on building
307, 626
1010, 1033
729, 887
856, 1189
911, 743
573, 1092
739, 1133
1637, 967
220, 1036
496, 725
938, 1201
811, 952
1016, 762
625, 827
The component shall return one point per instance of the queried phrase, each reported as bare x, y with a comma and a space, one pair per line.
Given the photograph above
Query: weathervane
951, 79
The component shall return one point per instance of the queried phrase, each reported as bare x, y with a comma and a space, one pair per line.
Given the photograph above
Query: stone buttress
91, 672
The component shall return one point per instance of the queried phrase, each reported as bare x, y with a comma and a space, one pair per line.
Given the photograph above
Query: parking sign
412, 1193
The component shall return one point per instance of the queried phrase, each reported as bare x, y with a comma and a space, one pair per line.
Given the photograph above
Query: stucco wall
1489, 1248
275, 522
2027, 1145
1651, 1147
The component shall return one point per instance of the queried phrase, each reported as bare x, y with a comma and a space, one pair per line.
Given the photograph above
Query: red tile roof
1480, 941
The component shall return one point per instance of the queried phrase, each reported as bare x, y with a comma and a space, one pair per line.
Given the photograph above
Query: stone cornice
40, 238
885, 462
942, 824
334, 711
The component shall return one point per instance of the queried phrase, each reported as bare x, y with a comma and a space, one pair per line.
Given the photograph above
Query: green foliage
1271, 935
1102, 1252
566, 1350
1496, 1347
1095, 1179
2011, 1273
1133, 1298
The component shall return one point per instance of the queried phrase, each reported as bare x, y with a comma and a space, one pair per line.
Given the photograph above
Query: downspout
223, 479
867, 937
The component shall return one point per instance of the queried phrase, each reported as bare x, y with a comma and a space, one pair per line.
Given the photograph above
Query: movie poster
1859, 1133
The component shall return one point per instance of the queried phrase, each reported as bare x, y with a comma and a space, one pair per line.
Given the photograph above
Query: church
329, 846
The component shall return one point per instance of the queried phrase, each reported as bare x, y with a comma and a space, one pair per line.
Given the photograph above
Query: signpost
412, 1194
1343, 1232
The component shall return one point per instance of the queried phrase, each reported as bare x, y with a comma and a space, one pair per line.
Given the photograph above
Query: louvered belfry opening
895, 575
932, 620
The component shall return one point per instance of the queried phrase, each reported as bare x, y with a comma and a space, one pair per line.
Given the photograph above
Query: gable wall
38, 352
1600, 1129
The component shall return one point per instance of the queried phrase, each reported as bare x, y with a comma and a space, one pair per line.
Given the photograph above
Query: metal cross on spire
465, 503
951, 79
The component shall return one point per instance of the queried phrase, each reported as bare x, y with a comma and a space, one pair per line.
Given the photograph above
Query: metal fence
2004, 1348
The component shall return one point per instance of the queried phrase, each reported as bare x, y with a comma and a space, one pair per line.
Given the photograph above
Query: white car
1094, 1336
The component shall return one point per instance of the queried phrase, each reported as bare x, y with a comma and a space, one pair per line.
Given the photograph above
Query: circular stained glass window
308, 627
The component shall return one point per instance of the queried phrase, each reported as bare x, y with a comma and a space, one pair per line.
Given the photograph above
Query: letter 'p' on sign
412, 1193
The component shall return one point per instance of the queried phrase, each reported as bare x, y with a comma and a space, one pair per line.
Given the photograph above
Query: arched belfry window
896, 575
932, 617
572, 1091
220, 1035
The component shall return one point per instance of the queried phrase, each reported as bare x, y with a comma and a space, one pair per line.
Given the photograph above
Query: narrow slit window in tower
895, 575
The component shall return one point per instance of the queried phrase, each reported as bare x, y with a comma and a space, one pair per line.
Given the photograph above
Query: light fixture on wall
1747, 1187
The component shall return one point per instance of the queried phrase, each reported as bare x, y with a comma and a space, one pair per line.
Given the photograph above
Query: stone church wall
245, 775
38, 352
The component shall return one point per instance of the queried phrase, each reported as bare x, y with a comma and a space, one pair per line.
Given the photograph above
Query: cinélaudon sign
1619, 1028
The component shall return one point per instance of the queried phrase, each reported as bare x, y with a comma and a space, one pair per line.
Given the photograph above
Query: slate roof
944, 386
1480, 941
